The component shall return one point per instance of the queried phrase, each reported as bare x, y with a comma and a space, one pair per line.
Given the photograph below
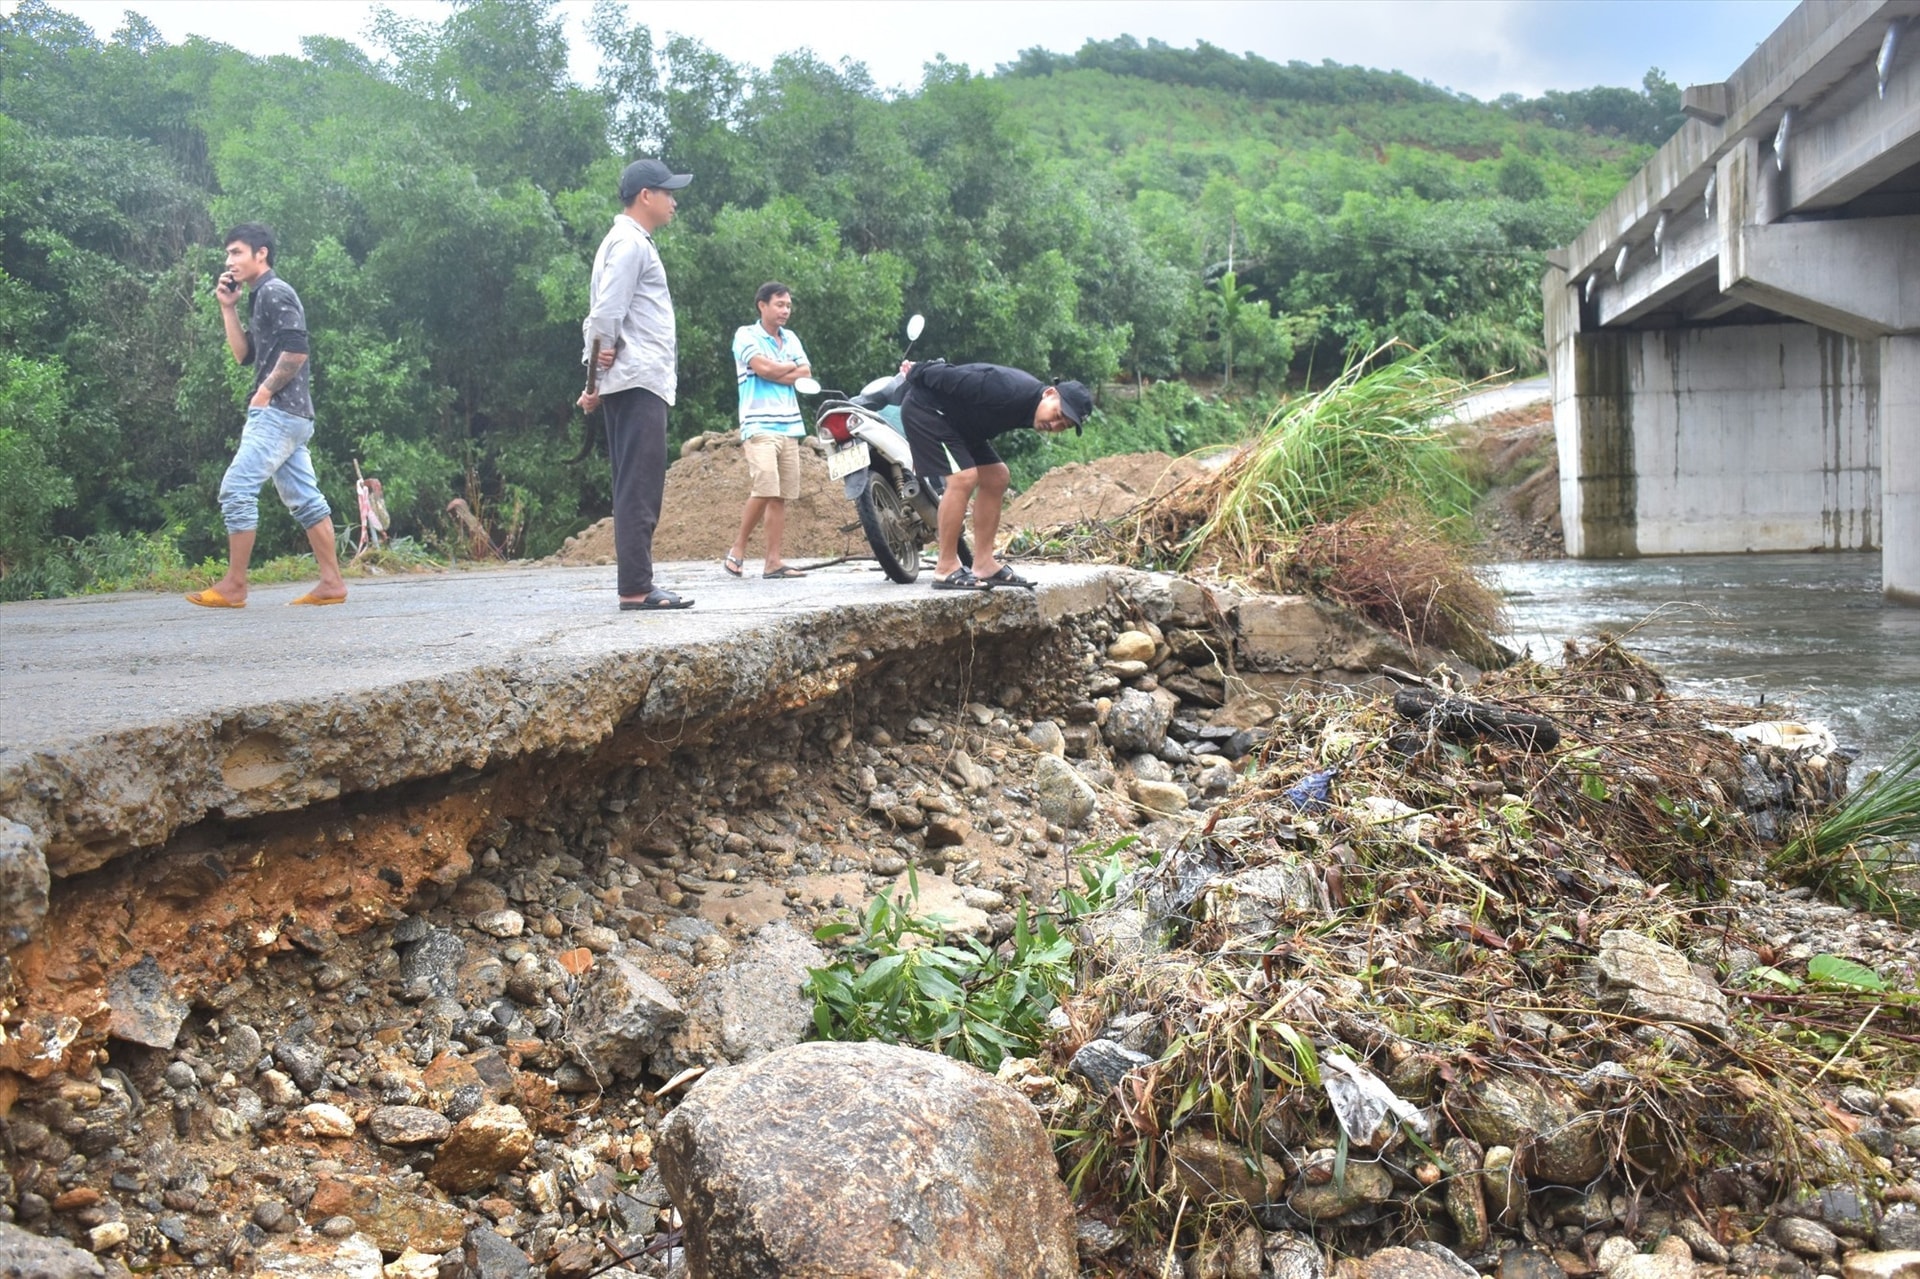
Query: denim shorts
273, 446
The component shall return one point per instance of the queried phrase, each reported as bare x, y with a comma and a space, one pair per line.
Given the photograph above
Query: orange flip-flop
311, 598
211, 598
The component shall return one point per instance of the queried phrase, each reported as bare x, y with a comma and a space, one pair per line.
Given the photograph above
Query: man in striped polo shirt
768, 358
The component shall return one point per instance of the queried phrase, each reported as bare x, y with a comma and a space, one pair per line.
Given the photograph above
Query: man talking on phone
273, 444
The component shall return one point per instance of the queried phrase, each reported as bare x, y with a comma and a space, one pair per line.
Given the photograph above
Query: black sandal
1004, 576
961, 579
656, 599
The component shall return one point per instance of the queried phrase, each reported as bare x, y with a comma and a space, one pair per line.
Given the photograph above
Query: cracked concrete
133, 717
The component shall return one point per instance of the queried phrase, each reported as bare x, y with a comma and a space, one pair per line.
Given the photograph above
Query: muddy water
1809, 632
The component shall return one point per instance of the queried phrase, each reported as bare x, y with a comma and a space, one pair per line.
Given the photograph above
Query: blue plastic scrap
1309, 794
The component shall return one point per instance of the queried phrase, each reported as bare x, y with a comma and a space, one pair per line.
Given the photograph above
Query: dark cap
1075, 402
643, 175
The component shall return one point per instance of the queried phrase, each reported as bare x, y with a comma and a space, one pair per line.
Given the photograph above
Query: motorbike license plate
847, 459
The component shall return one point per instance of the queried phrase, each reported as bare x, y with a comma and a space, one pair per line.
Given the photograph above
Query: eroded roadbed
131, 717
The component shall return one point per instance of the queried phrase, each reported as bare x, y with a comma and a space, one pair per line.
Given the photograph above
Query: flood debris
1364, 995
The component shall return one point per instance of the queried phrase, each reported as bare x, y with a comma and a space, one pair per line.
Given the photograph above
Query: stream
1809, 633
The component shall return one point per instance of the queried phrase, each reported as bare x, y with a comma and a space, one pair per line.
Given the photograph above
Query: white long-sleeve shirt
630, 302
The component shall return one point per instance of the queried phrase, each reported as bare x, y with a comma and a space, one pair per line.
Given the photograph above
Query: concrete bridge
1734, 342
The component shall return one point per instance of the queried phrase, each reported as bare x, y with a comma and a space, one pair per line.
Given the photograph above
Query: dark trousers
637, 444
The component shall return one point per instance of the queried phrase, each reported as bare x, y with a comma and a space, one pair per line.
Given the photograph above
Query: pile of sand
707, 487
1083, 492
706, 491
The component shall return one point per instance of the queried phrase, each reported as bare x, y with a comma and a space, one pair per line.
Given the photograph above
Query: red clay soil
706, 491
1082, 492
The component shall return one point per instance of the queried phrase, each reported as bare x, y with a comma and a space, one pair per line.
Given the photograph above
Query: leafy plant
903, 982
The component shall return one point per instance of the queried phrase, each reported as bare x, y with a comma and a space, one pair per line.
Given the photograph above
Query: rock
1234, 1255
501, 923
1807, 1238
1847, 1212
1061, 795
1881, 1265
435, 961
1365, 1183
1899, 1230
1292, 1255
1698, 1238
485, 1144
1045, 736
753, 1006
1646, 979
974, 778
304, 1061
24, 883
1529, 1263
144, 1009
1105, 1063
351, 1258
393, 1219
1149, 768
485, 1255
324, 1120
1505, 1187
864, 1158
107, 1236
408, 1125
1405, 1263
621, 1017
1131, 646
1763, 1259
1284, 633
946, 831
1212, 1171
1138, 721
413, 1265
1466, 1197
32, 1256
1119, 937
1445, 1256
1612, 1252
1906, 1101
1514, 1111
1656, 1265
1164, 798
1261, 899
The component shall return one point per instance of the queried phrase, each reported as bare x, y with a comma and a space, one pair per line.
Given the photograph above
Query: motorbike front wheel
892, 530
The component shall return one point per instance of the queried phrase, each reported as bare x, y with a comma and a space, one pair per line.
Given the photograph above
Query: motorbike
866, 447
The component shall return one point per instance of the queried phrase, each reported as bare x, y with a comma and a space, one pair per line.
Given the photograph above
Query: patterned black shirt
276, 322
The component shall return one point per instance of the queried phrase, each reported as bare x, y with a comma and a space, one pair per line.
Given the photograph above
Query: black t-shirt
276, 322
979, 401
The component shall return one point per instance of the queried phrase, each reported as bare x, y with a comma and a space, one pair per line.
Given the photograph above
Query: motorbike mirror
915, 327
806, 386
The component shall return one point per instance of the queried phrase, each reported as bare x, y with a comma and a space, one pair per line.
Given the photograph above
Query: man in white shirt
768, 359
630, 319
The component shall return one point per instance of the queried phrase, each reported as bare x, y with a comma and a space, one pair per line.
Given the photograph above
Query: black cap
643, 175
1075, 402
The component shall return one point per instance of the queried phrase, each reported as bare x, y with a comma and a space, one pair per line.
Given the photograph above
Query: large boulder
26, 1254
850, 1160
1652, 981
1060, 793
1286, 633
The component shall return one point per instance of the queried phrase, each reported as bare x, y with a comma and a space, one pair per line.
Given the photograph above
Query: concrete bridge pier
1734, 342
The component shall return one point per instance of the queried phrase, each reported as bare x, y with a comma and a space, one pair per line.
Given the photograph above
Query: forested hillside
1118, 214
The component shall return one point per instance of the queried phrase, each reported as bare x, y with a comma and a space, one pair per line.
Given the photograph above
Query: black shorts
939, 449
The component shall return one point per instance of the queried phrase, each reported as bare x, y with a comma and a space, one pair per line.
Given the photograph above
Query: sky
1481, 47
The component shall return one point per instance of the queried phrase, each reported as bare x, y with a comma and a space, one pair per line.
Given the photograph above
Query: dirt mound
1519, 517
706, 490
1081, 492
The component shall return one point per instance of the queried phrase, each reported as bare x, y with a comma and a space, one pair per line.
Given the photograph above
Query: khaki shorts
773, 462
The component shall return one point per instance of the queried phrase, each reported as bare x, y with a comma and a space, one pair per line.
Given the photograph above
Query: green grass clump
1859, 853
1368, 439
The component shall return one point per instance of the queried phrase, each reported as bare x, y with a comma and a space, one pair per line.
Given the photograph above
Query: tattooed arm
285, 369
